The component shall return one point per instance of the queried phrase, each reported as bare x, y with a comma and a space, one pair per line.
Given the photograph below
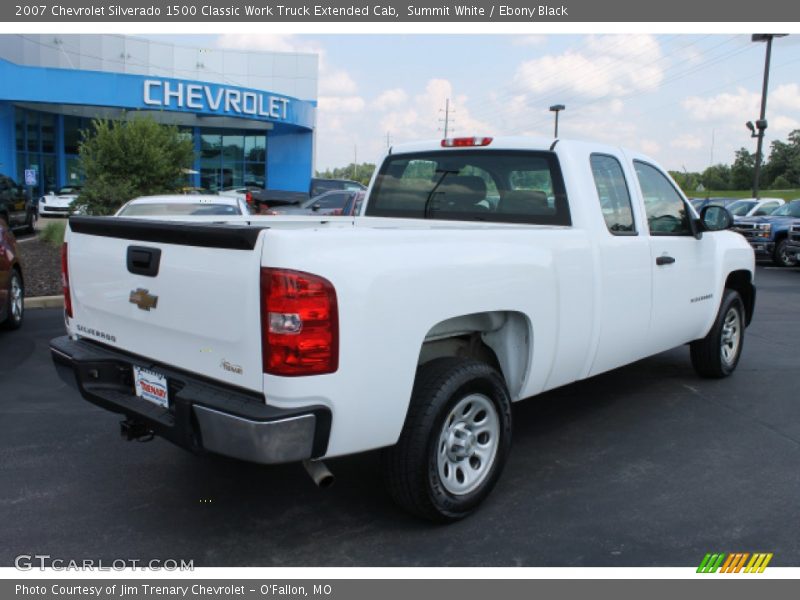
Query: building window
232, 158
35, 135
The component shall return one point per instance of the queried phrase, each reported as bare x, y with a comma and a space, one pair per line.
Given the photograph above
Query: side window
666, 212
765, 209
612, 190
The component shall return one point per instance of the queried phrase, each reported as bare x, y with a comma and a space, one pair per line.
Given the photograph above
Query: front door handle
665, 260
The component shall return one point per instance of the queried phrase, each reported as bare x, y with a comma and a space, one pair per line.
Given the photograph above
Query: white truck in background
482, 272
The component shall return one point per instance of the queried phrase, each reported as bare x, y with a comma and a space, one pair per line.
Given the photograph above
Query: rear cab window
504, 186
613, 194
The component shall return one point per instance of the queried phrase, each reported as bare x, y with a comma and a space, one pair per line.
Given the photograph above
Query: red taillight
65, 280
299, 323
466, 142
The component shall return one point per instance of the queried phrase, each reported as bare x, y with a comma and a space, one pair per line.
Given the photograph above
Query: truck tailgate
185, 295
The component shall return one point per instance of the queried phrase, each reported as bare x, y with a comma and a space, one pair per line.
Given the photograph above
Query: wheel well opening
498, 338
742, 282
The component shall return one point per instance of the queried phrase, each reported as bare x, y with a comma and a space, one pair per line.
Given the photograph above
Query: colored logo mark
735, 562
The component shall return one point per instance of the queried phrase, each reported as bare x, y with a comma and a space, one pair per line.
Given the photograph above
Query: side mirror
715, 218
316, 207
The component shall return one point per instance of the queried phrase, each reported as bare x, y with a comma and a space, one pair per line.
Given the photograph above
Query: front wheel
782, 257
717, 354
16, 302
454, 442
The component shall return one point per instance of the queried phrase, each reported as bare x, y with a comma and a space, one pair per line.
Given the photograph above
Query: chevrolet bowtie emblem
143, 299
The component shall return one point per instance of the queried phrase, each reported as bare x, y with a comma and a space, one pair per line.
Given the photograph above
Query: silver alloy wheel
786, 258
468, 444
16, 298
731, 336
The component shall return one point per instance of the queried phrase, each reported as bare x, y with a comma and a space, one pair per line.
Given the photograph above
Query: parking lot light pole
556, 108
760, 127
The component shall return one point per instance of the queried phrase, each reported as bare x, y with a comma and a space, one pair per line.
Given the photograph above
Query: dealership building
250, 115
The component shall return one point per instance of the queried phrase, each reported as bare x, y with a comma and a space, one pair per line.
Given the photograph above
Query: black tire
30, 223
709, 355
780, 257
14, 318
412, 466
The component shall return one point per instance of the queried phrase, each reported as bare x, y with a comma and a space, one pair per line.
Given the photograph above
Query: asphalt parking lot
645, 466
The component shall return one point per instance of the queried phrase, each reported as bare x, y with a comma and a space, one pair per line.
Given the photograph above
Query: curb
45, 302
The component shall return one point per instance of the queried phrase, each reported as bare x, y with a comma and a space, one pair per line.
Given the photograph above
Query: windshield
741, 208
69, 190
788, 210
181, 209
472, 185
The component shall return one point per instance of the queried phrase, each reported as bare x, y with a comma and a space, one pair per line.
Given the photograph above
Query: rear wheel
16, 302
782, 257
717, 354
455, 440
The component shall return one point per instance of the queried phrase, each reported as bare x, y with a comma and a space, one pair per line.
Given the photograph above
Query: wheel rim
786, 258
468, 444
16, 298
731, 336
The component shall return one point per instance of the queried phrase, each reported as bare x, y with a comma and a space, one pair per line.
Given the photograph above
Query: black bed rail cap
205, 235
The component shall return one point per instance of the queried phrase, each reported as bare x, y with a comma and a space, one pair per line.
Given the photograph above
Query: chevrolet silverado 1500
482, 271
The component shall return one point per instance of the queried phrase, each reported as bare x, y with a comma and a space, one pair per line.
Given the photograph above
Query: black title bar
395, 11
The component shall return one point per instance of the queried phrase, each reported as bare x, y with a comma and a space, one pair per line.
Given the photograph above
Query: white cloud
687, 141
742, 105
529, 40
268, 42
390, 99
613, 65
649, 146
336, 82
341, 104
786, 97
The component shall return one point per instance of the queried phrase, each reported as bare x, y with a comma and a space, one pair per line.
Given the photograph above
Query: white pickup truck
482, 271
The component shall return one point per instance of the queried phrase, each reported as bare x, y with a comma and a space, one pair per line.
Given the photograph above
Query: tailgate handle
143, 260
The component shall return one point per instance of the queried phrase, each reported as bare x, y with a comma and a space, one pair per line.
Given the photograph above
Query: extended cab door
625, 288
683, 266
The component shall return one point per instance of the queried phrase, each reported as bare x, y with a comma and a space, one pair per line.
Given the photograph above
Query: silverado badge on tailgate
143, 299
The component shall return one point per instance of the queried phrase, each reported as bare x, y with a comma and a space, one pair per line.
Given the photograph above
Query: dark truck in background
266, 199
769, 234
793, 240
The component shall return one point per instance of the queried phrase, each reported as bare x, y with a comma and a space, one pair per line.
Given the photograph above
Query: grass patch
784, 194
53, 232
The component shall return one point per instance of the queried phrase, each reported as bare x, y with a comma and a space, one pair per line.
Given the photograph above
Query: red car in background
12, 290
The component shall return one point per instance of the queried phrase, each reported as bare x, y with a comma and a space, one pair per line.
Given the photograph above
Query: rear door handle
664, 260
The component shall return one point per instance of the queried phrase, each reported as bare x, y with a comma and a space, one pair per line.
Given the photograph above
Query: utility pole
355, 161
711, 161
761, 124
446, 119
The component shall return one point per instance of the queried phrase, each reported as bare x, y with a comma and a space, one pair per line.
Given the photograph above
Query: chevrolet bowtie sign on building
250, 115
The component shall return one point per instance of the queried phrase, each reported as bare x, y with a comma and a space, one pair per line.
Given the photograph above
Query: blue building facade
250, 115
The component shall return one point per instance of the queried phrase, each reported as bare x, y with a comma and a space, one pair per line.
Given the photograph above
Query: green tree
780, 183
743, 169
361, 173
784, 161
717, 177
129, 158
687, 181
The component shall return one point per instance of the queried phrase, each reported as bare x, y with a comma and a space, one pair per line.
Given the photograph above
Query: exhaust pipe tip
319, 473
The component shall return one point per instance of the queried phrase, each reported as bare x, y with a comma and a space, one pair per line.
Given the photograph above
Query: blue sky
667, 95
